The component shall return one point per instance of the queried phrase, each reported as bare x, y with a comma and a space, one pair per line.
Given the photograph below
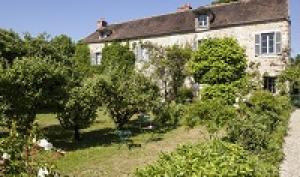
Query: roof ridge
172, 13
149, 17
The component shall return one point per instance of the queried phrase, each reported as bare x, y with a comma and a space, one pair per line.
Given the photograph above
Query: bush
262, 123
218, 61
80, 108
216, 158
219, 91
168, 114
185, 95
214, 113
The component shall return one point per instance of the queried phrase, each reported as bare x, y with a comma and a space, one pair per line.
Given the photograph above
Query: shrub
214, 113
185, 95
168, 114
218, 61
259, 120
215, 158
29, 85
219, 91
80, 109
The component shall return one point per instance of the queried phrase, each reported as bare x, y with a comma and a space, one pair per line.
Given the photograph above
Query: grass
99, 153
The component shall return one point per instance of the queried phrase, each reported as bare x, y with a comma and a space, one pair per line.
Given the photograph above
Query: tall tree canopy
31, 84
11, 47
124, 92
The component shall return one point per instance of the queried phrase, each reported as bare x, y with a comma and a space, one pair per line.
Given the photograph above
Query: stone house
262, 27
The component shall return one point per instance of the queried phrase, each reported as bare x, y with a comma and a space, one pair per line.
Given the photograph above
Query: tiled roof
238, 13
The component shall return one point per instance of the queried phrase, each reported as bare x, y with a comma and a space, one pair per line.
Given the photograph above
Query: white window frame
268, 35
277, 45
203, 21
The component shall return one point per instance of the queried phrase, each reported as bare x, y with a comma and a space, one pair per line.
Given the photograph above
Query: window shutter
257, 44
278, 42
195, 46
146, 54
93, 59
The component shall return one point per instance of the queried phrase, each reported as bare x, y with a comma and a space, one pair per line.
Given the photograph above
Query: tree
64, 45
117, 58
126, 95
29, 85
218, 61
80, 108
124, 92
82, 59
11, 47
297, 59
59, 49
169, 68
177, 58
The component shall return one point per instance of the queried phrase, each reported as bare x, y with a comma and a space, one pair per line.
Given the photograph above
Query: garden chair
124, 137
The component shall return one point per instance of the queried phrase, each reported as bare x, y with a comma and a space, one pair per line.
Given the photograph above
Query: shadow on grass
62, 138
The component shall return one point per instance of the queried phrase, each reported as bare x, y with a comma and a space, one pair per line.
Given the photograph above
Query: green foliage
176, 59
167, 67
126, 95
82, 59
259, 120
11, 47
30, 84
214, 158
226, 92
80, 108
218, 61
22, 151
292, 76
64, 45
123, 91
117, 58
185, 95
214, 113
168, 114
223, 1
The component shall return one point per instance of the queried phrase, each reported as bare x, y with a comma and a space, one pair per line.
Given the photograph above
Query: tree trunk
76, 133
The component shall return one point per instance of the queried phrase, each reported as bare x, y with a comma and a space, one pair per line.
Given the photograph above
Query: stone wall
271, 65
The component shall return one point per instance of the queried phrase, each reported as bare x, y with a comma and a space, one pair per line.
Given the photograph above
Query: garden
60, 116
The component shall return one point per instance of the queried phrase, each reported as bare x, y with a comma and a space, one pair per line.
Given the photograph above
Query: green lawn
99, 153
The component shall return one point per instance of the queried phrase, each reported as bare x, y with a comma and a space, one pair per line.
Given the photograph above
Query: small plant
214, 113
215, 158
168, 114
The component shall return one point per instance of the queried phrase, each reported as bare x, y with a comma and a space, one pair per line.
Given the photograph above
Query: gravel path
291, 164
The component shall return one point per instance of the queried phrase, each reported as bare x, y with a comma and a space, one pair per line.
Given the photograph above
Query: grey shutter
257, 44
278, 42
93, 58
195, 46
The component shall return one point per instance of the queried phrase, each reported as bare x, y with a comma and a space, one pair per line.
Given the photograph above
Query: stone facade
272, 65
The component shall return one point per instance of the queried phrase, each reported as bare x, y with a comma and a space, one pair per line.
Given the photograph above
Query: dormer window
203, 21
104, 34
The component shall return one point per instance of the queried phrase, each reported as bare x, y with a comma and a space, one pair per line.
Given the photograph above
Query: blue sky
77, 18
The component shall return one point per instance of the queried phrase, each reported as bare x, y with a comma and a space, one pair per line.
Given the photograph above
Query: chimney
101, 23
184, 8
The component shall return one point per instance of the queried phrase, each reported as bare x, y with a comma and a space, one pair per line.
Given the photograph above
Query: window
203, 21
268, 43
270, 84
96, 59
